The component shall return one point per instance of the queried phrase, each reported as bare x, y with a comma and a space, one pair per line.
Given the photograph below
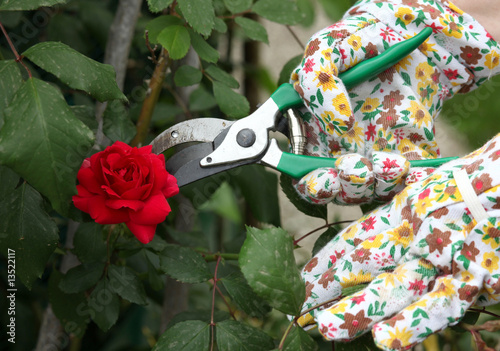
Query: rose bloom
127, 185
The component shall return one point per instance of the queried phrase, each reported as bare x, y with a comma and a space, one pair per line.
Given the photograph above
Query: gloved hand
428, 255
394, 112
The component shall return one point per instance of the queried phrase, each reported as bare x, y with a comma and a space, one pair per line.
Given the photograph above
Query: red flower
308, 67
451, 73
126, 185
370, 133
368, 224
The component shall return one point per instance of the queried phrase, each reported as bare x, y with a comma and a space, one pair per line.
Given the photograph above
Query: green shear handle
286, 97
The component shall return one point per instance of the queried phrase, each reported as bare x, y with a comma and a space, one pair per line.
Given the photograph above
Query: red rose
127, 185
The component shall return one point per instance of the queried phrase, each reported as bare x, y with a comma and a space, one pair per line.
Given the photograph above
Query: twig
151, 50
225, 256
295, 36
318, 229
239, 14
19, 58
225, 301
287, 331
212, 323
484, 311
149, 103
180, 101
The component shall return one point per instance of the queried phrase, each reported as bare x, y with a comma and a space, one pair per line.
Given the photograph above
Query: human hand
394, 112
427, 256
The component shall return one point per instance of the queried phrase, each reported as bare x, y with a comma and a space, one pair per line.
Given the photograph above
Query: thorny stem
294, 35
151, 50
212, 323
318, 229
19, 58
149, 103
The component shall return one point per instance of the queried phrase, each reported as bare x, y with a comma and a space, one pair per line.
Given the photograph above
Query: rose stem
13, 48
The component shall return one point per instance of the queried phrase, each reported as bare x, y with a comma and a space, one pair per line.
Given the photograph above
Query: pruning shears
223, 144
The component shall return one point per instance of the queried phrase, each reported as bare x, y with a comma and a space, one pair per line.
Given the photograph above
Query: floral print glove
395, 111
427, 256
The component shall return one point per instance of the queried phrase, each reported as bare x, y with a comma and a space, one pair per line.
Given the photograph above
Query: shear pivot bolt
246, 137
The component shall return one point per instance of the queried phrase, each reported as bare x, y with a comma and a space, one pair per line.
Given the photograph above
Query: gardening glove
427, 256
395, 111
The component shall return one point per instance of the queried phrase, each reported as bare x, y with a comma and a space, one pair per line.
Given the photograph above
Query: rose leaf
187, 335
44, 142
25, 228
268, 264
234, 335
76, 70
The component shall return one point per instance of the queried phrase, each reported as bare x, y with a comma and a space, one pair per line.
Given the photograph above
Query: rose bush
125, 184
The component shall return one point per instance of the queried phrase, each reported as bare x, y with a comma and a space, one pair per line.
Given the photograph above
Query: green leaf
187, 75
235, 6
70, 309
25, 5
253, 29
231, 103
185, 336
222, 76
104, 305
124, 282
220, 25
201, 100
199, 14
76, 70
335, 9
86, 114
116, 123
260, 190
306, 9
184, 264
243, 295
224, 203
203, 48
268, 264
81, 277
25, 227
175, 39
324, 239
159, 5
233, 335
44, 142
10, 81
362, 343
302, 205
299, 340
88, 242
288, 68
283, 11
155, 26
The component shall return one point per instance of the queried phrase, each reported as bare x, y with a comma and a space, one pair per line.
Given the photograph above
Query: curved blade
185, 165
198, 129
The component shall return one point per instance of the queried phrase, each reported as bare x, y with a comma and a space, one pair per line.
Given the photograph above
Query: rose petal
144, 233
134, 205
141, 193
87, 179
103, 214
81, 200
171, 189
156, 209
